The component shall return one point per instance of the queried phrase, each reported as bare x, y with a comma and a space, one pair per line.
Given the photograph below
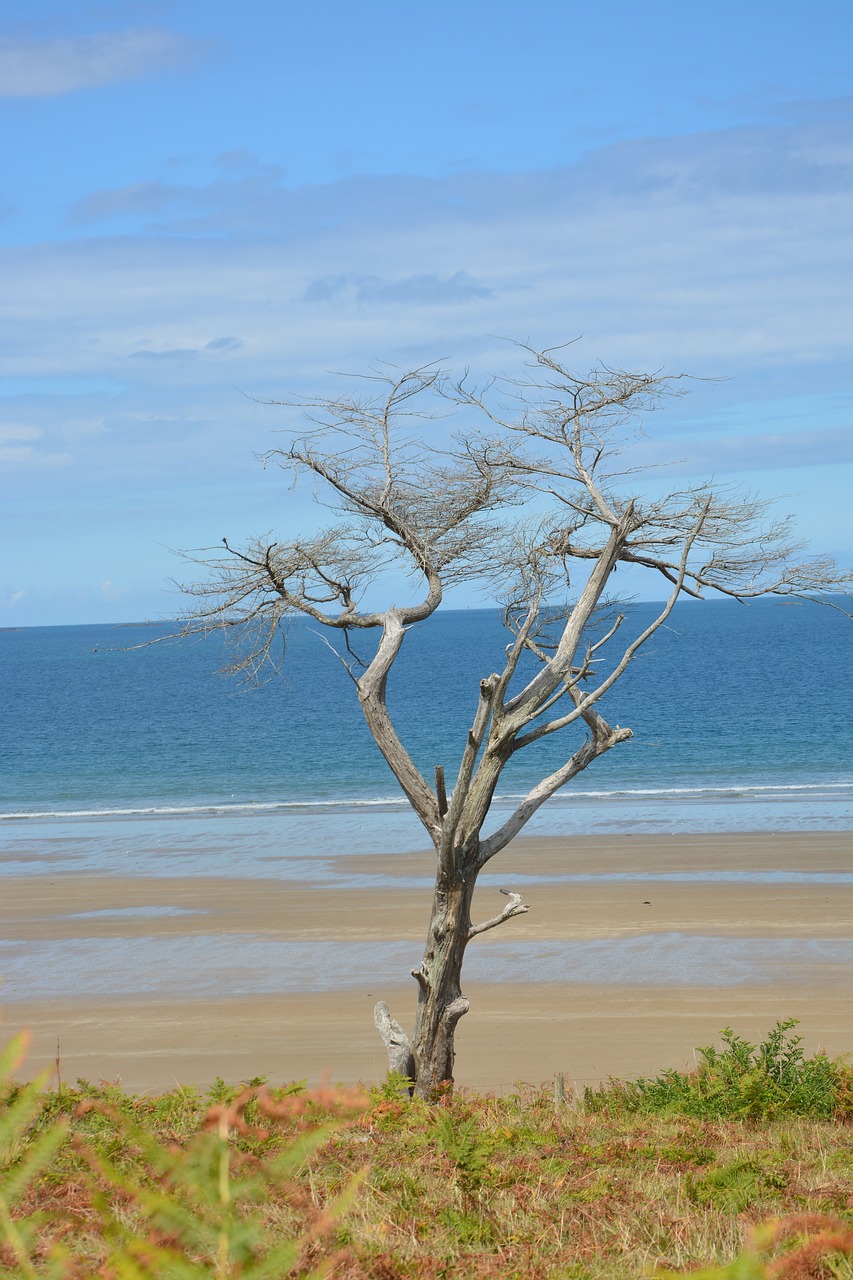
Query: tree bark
441, 1003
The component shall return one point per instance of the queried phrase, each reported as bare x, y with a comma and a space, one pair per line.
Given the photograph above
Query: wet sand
525, 1030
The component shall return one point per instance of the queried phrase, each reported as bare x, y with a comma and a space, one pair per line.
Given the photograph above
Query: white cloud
427, 288
14, 455
20, 446
140, 199
719, 254
16, 431
47, 68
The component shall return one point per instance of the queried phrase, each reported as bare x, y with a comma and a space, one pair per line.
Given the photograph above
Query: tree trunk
441, 1003
427, 1059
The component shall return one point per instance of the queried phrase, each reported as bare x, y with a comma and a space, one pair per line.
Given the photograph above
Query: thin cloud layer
426, 289
660, 252
175, 308
49, 68
814, 158
716, 253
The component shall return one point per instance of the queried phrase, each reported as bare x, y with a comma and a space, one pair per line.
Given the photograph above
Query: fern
741, 1081
167, 1212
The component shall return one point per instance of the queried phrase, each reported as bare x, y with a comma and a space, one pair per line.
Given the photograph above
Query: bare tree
534, 501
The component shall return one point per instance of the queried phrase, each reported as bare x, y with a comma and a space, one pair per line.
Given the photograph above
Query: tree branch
473, 744
515, 907
536, 797
372, 696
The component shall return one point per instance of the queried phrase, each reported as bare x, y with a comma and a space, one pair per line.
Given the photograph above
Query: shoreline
393, 803
513, 1033
719, 929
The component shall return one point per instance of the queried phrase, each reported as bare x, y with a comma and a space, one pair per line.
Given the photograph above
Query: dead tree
532, 499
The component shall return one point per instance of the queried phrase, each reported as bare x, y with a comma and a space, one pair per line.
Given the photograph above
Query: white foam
753, 791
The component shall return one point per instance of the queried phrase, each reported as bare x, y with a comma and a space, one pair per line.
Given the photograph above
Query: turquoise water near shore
741, 718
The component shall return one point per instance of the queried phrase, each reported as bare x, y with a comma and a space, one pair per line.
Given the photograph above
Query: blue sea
741, 716
118, 755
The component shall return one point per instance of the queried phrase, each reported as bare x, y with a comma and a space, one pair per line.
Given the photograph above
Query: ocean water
741, 717
146, 762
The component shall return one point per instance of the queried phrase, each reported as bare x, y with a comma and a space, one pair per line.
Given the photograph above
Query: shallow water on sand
235, 964
314, 848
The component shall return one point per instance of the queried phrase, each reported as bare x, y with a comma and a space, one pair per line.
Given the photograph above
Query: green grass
742, 1170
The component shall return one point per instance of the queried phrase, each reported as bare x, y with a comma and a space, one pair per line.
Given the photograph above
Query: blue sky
202, 202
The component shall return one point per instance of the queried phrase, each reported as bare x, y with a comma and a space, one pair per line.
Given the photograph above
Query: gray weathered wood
396, 1041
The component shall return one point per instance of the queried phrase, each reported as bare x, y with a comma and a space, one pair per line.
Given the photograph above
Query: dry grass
277, 1182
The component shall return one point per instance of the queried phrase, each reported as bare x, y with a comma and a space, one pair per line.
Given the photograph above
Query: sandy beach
757, 917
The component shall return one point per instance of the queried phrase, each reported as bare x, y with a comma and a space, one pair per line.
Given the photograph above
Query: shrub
741, 1081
